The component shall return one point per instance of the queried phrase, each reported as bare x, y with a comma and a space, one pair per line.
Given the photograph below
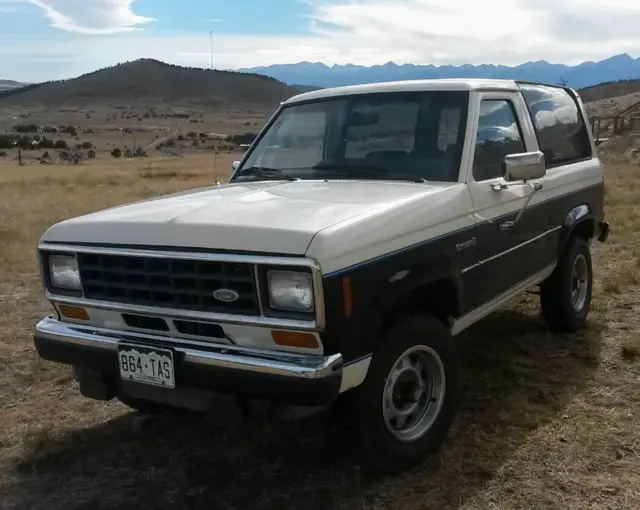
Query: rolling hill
610, 90
148, 81
619, 67
10, 85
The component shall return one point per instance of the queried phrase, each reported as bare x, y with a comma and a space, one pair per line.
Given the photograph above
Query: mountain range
319, 75
152, 82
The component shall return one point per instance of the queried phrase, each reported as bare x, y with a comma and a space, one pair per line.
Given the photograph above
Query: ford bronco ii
364, 228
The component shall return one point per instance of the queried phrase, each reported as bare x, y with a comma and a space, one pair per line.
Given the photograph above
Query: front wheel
565, 297
406, 405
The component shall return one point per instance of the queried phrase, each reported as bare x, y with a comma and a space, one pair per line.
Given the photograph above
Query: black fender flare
404, 282
579, 218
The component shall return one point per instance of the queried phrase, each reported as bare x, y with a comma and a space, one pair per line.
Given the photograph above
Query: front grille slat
168, 283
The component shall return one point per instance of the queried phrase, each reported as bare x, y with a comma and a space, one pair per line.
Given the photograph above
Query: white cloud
97, 17
466, 31
346, 31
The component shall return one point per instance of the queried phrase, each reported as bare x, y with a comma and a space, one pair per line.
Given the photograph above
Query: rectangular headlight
290, 290
64, 272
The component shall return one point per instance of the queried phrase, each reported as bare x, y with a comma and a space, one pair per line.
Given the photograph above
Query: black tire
377, 448
561, 311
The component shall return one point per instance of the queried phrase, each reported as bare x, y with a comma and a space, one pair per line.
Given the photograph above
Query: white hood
267, 217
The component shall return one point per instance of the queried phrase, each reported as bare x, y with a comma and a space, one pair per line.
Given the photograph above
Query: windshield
413, 136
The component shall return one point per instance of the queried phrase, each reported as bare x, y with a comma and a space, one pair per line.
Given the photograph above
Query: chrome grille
168, 282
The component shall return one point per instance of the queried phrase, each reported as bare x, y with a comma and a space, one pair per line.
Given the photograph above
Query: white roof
464, 84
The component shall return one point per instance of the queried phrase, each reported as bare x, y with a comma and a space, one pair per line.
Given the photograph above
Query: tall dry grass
546, 421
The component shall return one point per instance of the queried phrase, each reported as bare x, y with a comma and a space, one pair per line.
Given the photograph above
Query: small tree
28, 128
69, 130
46, 143
3, 154
6, 141
91, 154
116, 153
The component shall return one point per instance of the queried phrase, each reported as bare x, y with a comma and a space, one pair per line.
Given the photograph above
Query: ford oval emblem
226, 295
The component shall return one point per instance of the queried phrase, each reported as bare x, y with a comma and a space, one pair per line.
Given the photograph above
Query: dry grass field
546, 421
189, 130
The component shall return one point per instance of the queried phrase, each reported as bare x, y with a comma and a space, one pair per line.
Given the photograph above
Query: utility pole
215, 167
211, 47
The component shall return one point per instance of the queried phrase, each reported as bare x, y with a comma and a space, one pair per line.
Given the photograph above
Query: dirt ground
546, 421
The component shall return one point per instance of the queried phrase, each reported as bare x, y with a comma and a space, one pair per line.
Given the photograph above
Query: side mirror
524, 166
235, 165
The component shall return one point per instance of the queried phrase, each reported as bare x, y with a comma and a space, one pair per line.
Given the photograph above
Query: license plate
147, 365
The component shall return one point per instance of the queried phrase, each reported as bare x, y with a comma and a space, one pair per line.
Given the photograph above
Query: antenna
211, 47
215, 152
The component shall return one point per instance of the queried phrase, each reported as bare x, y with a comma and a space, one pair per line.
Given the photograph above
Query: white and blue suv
364, 228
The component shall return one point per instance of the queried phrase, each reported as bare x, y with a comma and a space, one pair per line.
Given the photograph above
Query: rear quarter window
559, 124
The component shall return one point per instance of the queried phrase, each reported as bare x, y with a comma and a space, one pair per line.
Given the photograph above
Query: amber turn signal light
295, 339
73, 312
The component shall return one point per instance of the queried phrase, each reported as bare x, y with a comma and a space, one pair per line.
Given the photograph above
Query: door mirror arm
537, 186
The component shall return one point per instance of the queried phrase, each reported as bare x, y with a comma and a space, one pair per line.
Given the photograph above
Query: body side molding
467, 320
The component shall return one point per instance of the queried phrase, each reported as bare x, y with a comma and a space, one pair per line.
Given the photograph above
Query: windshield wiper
264, 172
370, 171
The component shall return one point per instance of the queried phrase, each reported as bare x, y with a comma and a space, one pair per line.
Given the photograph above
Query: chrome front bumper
231, 357
280, 375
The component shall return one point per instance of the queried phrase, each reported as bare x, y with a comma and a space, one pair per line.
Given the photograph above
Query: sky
53, 39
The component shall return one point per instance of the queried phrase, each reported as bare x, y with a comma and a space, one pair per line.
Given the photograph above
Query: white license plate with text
147, 365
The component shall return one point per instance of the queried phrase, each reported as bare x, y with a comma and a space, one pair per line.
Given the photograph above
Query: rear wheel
406, 405
565, 297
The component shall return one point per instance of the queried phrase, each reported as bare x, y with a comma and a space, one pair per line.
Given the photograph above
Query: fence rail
624, 121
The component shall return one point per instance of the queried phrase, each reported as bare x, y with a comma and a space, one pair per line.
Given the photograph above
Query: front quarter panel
380, 257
